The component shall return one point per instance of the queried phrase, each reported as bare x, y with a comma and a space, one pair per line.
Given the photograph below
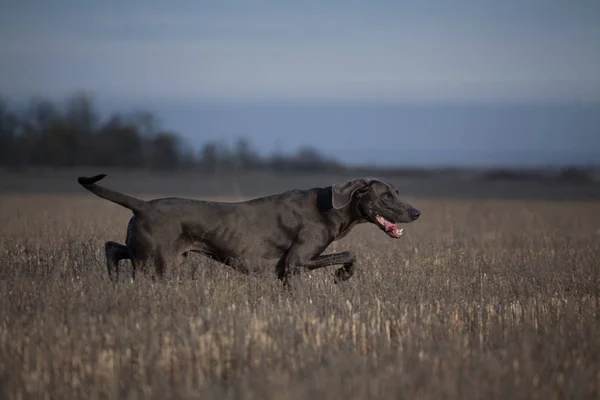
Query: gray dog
287, 231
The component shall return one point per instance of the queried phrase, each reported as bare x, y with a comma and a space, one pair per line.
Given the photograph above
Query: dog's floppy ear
341, 193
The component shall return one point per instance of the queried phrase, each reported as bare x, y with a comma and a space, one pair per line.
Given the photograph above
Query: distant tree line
46, 133
71, 133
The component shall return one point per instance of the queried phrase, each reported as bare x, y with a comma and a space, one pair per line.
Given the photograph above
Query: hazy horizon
526, 134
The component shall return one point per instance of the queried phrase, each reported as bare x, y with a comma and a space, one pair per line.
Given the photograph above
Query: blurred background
445, 98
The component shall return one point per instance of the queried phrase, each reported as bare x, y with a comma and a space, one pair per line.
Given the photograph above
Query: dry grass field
478, 299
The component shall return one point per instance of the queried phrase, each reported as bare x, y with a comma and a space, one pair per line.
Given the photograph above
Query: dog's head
376, 201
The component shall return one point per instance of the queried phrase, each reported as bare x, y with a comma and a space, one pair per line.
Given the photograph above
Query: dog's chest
345, 231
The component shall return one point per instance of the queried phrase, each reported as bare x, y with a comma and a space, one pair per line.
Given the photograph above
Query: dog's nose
415, 213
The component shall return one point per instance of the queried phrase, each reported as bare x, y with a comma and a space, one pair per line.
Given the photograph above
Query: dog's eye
387, 196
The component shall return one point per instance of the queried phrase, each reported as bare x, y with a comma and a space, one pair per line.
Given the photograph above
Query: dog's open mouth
389, 227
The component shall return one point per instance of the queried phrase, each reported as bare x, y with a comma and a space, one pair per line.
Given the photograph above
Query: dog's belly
251, 260
241, 238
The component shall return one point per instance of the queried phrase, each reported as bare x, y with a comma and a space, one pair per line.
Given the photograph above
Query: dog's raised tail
135, 205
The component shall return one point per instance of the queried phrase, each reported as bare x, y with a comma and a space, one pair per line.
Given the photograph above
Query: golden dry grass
478, 300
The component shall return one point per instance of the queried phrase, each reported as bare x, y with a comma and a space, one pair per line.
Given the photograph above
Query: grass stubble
494, 299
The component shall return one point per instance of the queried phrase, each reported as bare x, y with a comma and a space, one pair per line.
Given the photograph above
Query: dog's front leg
298, 256
285, 269
344, 258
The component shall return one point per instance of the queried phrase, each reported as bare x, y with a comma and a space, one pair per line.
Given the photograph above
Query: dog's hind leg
115, 252
165, 259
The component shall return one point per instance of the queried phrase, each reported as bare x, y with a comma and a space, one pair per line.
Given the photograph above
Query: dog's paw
341, 275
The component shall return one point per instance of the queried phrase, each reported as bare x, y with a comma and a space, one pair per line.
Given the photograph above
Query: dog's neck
341, 221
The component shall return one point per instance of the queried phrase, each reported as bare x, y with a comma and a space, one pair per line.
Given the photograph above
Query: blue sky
399, 50
314, 52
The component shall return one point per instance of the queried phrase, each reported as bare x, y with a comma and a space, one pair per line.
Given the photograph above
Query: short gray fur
286, 231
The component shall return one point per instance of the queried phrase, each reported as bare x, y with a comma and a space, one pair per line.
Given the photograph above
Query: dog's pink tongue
389, 227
